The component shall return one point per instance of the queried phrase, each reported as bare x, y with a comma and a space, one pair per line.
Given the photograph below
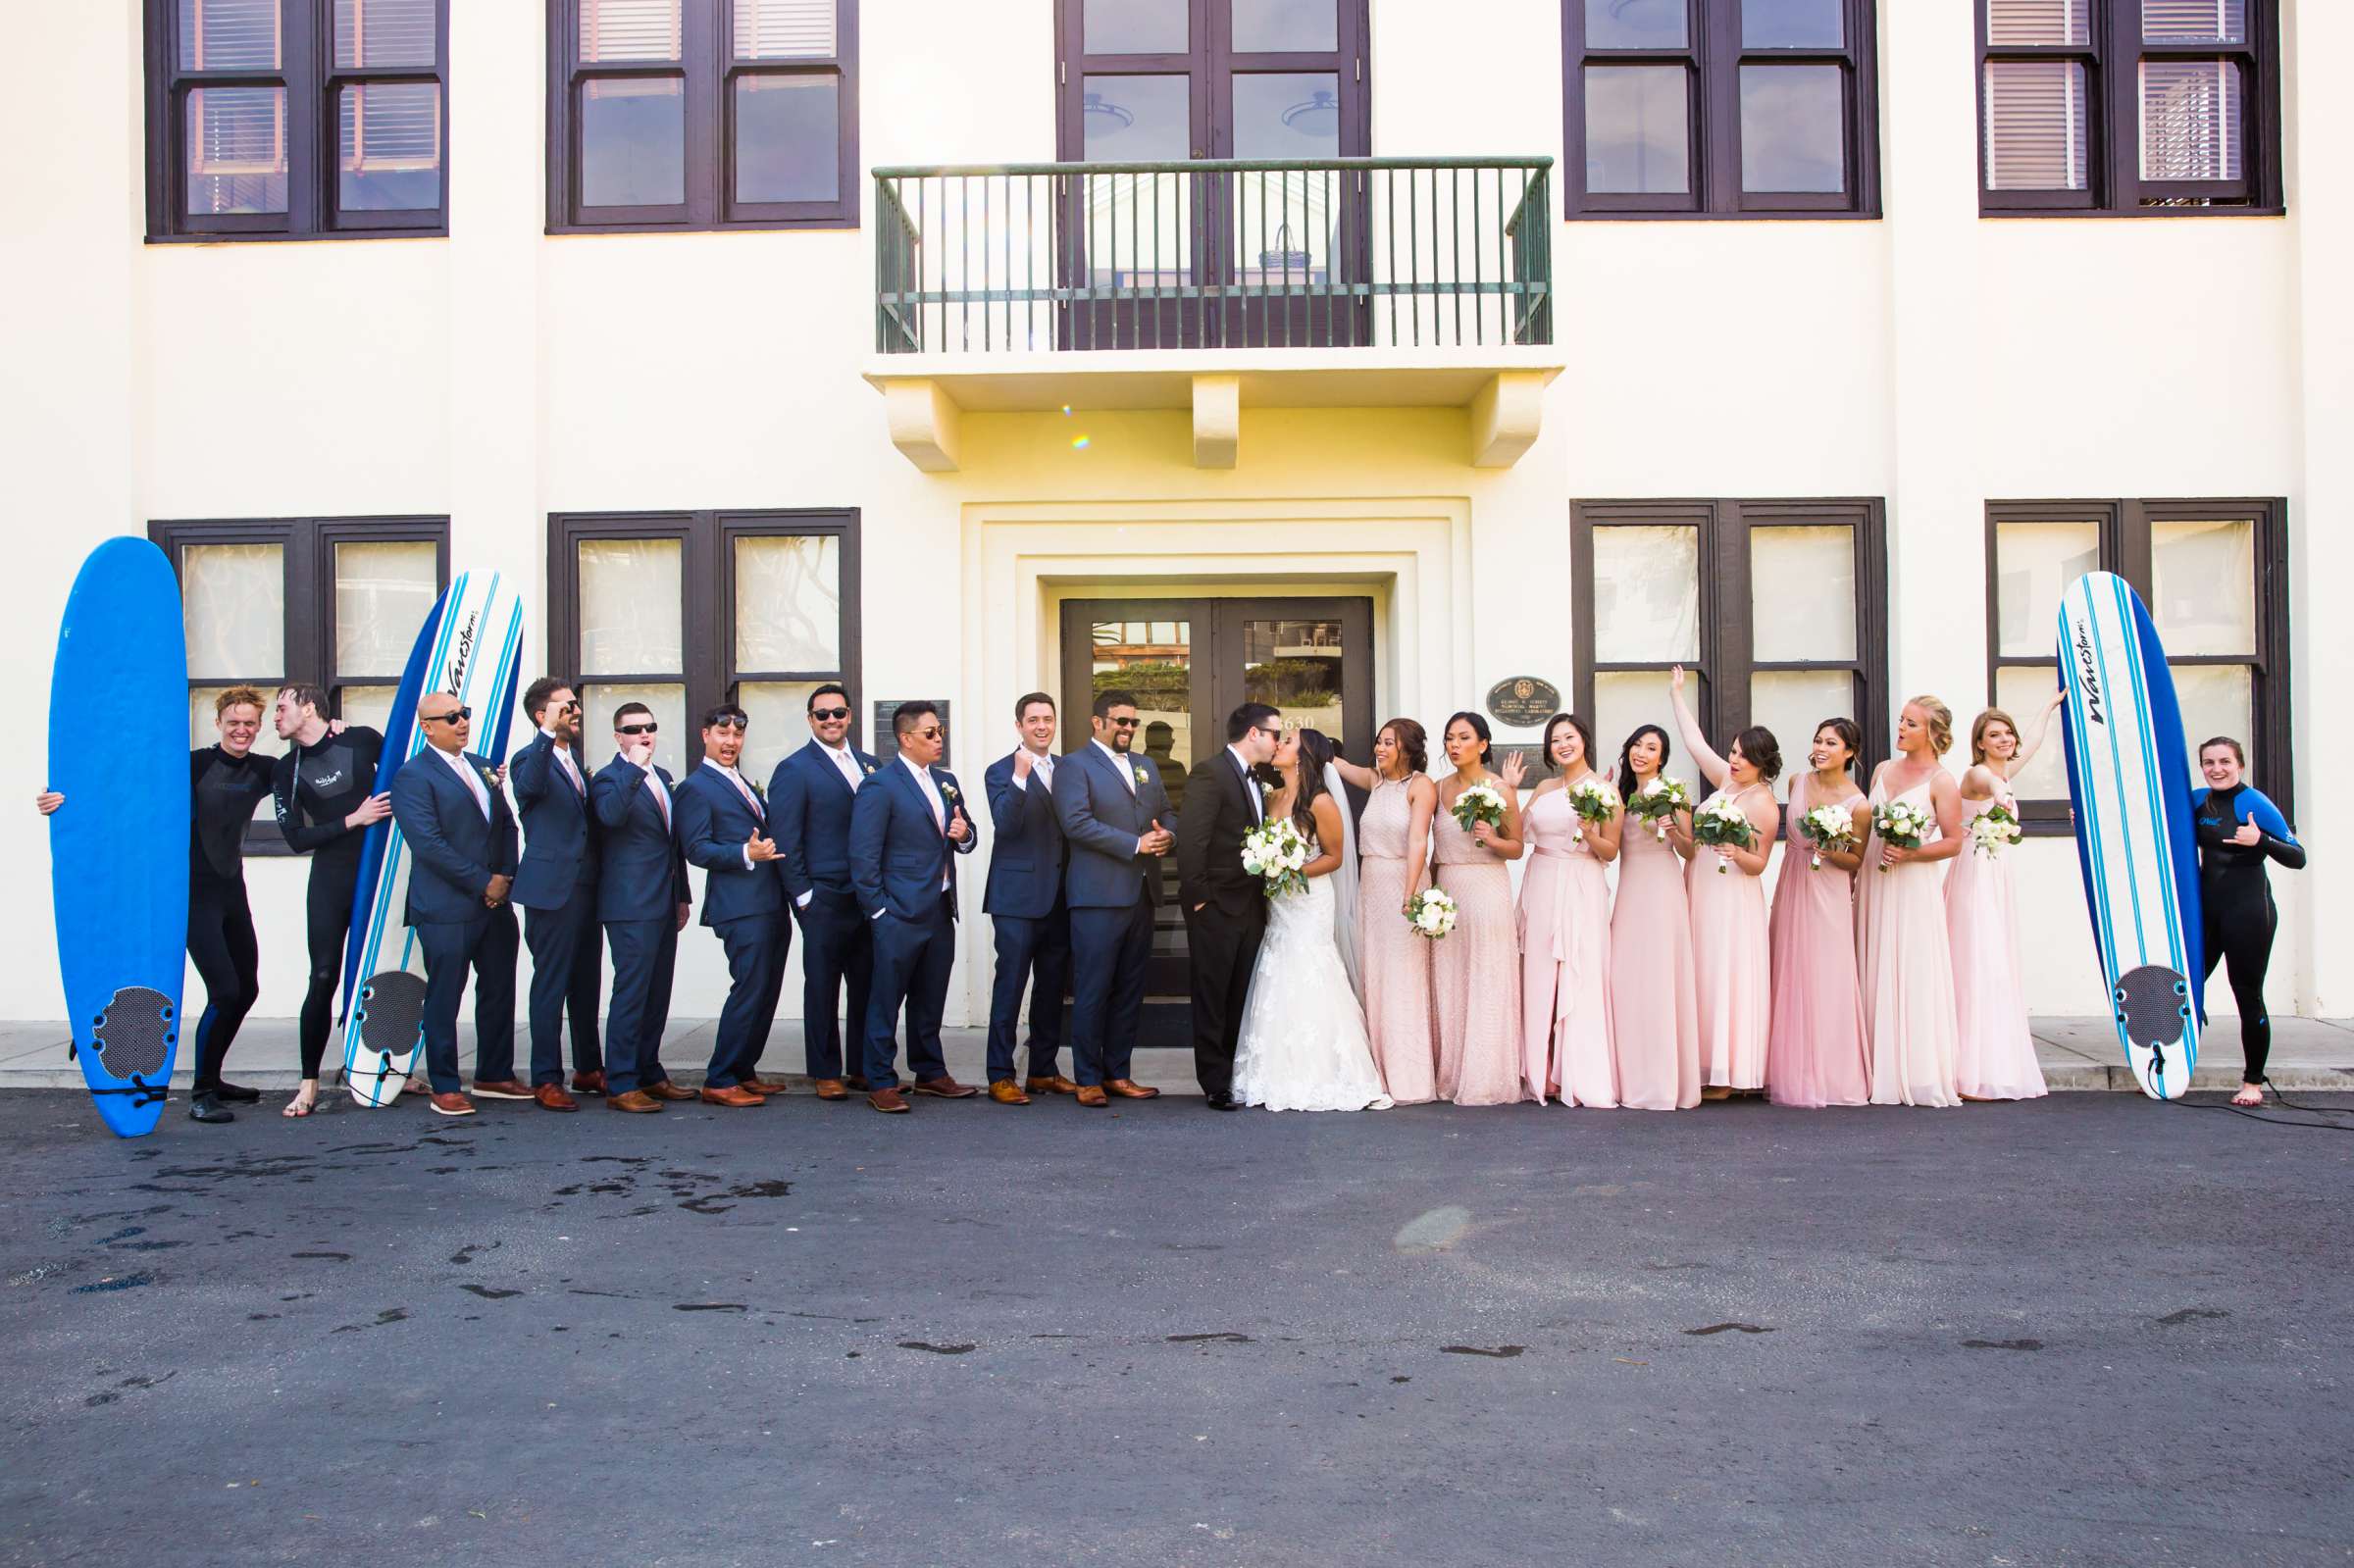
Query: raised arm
529, 770
2041, 726
1712, 766
1356, 778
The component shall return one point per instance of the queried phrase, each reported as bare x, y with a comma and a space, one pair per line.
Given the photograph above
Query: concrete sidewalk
2077, 1053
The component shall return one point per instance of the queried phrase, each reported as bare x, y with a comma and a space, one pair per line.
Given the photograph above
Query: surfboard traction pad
391, 1008
2153, 1008
135, 1035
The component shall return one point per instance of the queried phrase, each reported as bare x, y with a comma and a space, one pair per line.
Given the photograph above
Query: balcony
1211, 284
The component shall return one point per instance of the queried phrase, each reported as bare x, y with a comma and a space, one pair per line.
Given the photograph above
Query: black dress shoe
207, 1108
237, 1094
1217, 1099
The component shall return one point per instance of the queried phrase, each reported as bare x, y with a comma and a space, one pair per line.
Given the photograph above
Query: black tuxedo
1225, 908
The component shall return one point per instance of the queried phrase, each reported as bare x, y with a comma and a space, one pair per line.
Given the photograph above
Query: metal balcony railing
1227, 253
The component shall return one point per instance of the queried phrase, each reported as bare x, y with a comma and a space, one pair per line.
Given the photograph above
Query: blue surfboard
119, 846
2128, 775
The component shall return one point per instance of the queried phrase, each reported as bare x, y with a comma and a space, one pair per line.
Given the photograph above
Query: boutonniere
870, 768
1140, 770
759, 792
948, 792
490, 775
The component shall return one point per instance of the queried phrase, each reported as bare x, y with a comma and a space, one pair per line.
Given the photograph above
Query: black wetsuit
2235, 900
220, 939
317, 787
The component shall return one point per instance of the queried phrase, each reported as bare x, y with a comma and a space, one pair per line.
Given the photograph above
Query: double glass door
1190, 662
1204, 259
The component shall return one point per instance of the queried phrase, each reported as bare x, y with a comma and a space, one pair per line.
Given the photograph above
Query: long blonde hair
1941, 723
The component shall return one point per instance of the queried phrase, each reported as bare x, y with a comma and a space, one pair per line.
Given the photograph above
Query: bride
1304, 1044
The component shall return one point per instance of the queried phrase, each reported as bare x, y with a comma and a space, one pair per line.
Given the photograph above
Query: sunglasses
647, 728
568, 707
930, 732
728, 721
1121, 724
455, 715
829, 712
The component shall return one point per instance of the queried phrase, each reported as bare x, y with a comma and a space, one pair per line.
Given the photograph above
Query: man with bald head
462, 840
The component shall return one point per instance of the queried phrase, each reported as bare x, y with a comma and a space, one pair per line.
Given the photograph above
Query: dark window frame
2124, 532
707, 595
707, 69
1726, 661
1712, 58
308, 559
312, 82
2115, 188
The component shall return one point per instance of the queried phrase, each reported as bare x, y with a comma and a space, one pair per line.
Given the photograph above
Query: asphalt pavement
2088, 1330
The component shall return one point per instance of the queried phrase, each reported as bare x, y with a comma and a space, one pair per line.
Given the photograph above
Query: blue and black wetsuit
2236, 899
317, 788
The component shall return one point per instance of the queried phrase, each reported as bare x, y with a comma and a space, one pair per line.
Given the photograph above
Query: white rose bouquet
1827, 828
1722, 825
1657, 803
1994, 830
1431, 913
1594, 800
1479, 803
1273, 852
1900, 825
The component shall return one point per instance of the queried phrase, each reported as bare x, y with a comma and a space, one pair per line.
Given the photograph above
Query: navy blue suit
899, 858
454, 853
1112, 891
1028, 917
556, 888
746, 905
640, 888
809, 804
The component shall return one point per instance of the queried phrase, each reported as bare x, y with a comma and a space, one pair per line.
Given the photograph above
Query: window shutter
630, 29
229, 35
2026, 24
384, 32
2035, 124
784, 29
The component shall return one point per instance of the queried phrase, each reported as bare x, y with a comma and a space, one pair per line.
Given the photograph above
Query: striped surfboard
470, 646
2128, 775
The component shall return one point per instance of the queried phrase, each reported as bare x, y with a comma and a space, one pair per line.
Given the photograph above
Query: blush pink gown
1654, 1028
1814, 1052
1475, 973
1732, 965
1395, 962
1564, 960
1994, 1055
1906, 968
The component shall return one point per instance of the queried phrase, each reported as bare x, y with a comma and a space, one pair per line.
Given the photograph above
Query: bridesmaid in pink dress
1902, 959
1815, 1046
1994, 1055
1393, 839
1654, 1028
1566, 931
1731, 954
1475, 974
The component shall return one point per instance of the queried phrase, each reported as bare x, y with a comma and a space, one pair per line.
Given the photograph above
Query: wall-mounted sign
1523, 701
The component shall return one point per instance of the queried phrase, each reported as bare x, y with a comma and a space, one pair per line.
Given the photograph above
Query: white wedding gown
1304, 1045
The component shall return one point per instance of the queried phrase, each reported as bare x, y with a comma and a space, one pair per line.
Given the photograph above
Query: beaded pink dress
1395, 962
1475, 973
1565, 959
1732, 965
1994, 1055
1905, 966
1654, 1028
1814, 1052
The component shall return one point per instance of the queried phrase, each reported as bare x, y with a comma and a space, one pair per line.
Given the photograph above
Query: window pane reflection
1802, 593
2204, 585
388, 147
1134, 27
1646, 594
1792, 25
2190, 120
1637, 129
779, 711
1793, 129
1635, 25
787, 138
630, 607
237, 150
634, 143
1791, 703
788, 602
1298, 26
234, 611
2033, 565
2216, 699
383, 591
2021, 691
230, 35
385, 32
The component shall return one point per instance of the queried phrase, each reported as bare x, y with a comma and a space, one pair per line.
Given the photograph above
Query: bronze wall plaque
1523, 701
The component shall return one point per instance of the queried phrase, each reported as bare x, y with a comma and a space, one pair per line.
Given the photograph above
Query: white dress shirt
759, 812
1250, 786
653, 782
1041, 768
940, 811
1121, 761
465, 770
572, 769
846, 763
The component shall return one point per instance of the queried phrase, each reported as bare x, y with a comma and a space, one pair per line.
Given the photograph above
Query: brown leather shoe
452, 1105
1004, 1093
587, 1083
637, 1101
551, 1098
944, 1088
831, 1088
732, 1095
1128, 1088
1091, 1097
856, 1083
752, 1086
1052, 1083
665, 1091
760, 1086
888, 1099
501, 1090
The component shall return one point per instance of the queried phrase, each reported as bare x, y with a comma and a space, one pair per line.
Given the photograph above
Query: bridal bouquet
1994, 830
1431, 913
1273, 852
1830, 827
1479, 803
1657, 803
1900, 825
1594, 800
1722, 825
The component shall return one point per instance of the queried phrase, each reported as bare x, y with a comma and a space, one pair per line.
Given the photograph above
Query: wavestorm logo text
461, 655
2086, 672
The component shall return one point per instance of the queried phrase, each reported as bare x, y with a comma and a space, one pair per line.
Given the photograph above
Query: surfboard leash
2256, 1114
142, 1093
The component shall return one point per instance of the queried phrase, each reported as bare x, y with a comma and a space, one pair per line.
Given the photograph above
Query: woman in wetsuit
326, 803
2238, 831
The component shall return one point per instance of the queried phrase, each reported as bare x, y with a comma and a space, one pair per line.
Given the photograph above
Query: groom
1225, 909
